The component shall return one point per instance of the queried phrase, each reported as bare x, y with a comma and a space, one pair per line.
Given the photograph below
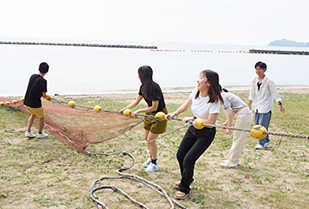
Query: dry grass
45, 173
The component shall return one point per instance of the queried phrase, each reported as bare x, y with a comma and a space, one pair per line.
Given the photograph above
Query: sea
176, 67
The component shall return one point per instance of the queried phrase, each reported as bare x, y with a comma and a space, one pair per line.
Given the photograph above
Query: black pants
193, 145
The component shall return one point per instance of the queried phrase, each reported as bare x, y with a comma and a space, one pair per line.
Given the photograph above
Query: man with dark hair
262, 94
37, 88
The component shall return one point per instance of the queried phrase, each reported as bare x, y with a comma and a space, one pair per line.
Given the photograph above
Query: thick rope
265, 132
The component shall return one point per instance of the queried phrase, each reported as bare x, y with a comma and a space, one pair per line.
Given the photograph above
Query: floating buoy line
256, 131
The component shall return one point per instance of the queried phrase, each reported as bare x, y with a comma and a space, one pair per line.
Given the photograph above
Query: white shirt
263, 99
200, 106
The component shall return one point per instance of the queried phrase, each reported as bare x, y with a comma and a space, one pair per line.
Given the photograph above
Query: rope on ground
96, 187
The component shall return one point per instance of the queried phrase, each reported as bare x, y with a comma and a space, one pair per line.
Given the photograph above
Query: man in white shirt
263, 91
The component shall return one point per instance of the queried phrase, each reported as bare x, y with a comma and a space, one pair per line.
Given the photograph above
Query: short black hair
43, 68
261, 65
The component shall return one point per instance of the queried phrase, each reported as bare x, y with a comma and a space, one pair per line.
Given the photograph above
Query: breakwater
261, 51
79, 44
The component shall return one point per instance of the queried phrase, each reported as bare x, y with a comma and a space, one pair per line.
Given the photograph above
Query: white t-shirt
200, 106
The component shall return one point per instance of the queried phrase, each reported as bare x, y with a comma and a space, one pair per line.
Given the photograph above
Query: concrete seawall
258, 51
79, 44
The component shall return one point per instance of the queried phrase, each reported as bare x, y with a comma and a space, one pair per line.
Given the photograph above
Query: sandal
181, 195
176, 184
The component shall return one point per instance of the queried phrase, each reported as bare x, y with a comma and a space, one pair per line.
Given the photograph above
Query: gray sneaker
29, 134
152, 167
42, 135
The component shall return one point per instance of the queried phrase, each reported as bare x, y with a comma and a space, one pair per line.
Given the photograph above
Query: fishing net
79, 127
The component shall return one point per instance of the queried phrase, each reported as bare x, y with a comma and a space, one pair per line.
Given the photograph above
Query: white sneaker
227, 166
148, 161
41, 135
258, 146
29, 134
152, 167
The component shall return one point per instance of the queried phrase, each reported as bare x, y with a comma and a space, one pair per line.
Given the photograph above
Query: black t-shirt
159, 94
37, 84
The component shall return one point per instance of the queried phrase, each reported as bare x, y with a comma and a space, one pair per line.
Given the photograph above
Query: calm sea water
87, 70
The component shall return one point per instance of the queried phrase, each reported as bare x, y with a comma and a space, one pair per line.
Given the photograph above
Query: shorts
36, 111
155, 126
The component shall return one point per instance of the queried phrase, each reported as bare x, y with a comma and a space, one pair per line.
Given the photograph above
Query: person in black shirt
152, 93
37, 88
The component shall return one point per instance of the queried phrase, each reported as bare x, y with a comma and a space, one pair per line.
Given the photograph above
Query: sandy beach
170, 97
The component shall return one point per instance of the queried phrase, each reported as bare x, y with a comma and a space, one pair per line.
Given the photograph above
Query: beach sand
170, 97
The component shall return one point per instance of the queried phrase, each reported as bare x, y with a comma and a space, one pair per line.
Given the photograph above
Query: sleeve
252, 91
214, 107
193, 93
227, 101
140, 91
273, 90
158, 93
44, 86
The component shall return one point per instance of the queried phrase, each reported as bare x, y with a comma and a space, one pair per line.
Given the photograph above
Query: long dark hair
148, 85
214, 91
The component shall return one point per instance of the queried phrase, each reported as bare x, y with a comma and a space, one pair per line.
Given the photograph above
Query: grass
45, 173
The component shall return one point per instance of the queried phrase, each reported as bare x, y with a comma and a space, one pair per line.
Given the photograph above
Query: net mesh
79, 127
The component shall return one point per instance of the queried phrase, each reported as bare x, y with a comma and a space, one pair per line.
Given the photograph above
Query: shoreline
175, 96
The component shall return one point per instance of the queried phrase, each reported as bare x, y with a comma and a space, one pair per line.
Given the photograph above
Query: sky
236, 22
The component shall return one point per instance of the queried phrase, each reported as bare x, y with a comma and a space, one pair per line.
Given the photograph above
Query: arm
211, 119
251, 93
133, 104
152, 108
281, 107
43, 94
275, 94
229, 121
181, 109
249, 104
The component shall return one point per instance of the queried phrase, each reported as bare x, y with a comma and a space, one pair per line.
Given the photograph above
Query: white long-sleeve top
262, 100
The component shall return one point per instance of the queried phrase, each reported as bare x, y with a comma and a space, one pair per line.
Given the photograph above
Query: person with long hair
235, 107
205, 102
152, 93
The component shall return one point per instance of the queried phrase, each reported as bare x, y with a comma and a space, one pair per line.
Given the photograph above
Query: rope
147, 183
265, 132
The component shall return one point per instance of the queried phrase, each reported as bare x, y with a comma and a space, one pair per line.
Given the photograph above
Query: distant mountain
285, 42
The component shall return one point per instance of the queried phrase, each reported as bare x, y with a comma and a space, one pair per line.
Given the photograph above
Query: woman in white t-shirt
205, 104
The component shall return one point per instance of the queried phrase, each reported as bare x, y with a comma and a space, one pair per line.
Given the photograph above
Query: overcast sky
241, 22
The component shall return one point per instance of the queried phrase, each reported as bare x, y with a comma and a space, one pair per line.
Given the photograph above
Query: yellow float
97, 108
160, 115
197, 123
71, 103
127, 112
258, 131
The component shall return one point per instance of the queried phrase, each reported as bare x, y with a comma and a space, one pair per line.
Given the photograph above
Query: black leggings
193, 145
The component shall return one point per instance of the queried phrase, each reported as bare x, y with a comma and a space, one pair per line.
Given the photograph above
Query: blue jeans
192, 146
264, 120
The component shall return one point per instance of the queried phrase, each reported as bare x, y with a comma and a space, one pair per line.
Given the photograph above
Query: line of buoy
167, 50
197, 51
